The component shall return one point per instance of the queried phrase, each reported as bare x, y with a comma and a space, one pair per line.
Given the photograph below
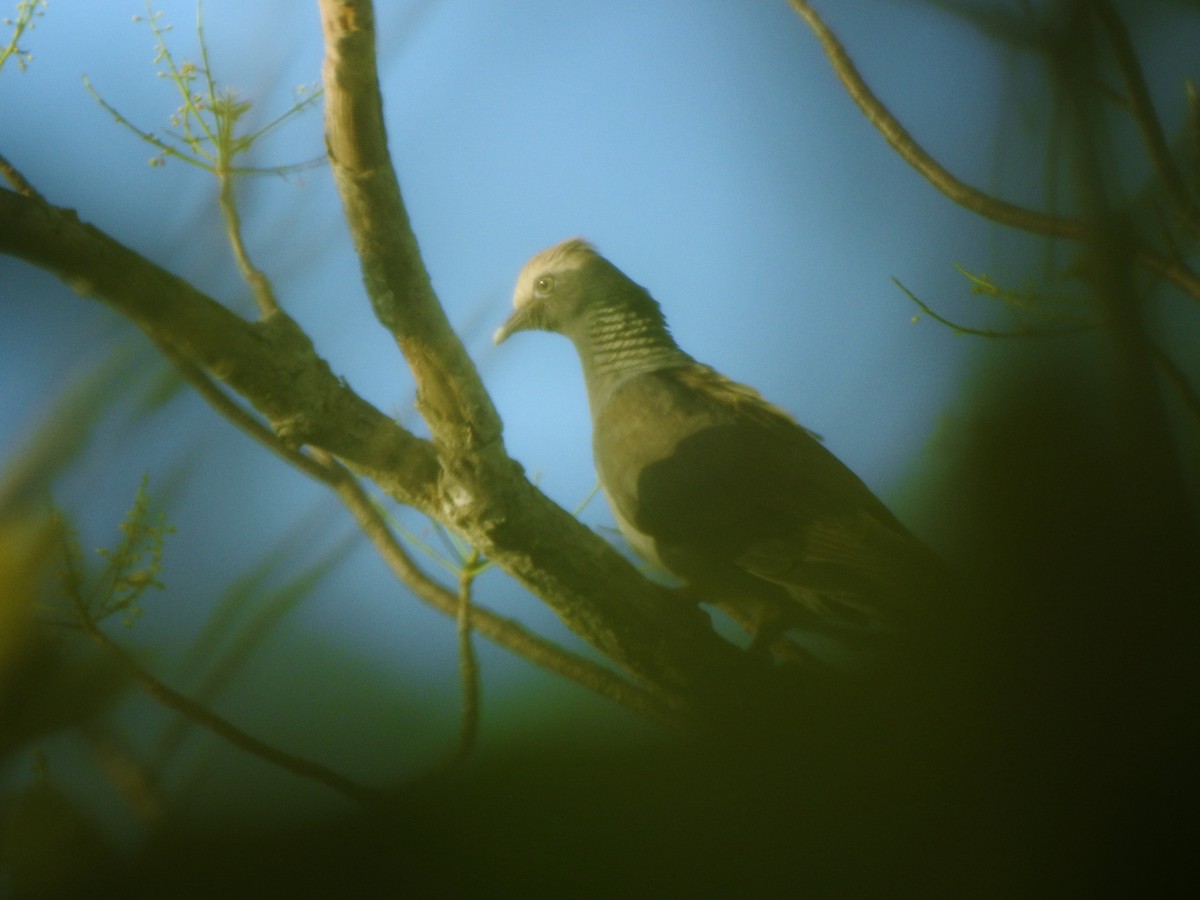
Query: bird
709, 481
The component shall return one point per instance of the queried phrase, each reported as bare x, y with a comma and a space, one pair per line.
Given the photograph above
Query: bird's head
565, 286
552, 289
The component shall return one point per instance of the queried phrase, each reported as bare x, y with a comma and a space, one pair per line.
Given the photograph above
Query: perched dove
709, 480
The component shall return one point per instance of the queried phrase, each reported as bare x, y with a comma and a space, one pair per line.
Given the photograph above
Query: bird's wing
711, 474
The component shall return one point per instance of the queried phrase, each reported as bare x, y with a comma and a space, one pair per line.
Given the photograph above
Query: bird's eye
545, 284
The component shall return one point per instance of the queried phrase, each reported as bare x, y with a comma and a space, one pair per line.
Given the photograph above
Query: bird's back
716, 484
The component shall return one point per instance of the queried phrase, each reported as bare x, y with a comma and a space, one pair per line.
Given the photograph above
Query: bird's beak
521, 320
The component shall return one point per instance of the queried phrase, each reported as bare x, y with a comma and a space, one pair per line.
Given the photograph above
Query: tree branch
18, 181
271, 363
1142, 108
502, 631
450, 394
959, 191
223, 728
903, 143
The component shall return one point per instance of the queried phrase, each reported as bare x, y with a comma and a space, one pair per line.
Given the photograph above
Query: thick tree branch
505, 632
271, 363
450, 394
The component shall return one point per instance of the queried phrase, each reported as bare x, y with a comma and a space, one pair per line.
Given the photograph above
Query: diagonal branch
505, 632
218, 725
450, 394
903, 143
18, 181
1174, 270
272, 362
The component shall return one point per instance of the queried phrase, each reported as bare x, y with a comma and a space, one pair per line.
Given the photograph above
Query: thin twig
1142, 109
27, 11
221, 727
468, 662
1024, 332
1175, 271
238, 415
973, 199
498, 629
18, 181
204, 717
903, 143
260, 285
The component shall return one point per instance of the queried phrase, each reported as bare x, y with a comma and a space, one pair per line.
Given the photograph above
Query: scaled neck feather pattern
623, 339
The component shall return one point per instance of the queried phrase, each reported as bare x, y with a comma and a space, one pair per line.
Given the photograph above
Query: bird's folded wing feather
702, 465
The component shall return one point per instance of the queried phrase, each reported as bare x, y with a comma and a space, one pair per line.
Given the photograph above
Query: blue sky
705, 147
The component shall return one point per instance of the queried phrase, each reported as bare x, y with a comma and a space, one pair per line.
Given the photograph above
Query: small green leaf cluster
203, 129
28, 11
130, 568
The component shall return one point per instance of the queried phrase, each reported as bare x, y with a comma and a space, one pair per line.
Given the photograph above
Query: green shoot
204, 130
131, 567
1035, 313
27, 12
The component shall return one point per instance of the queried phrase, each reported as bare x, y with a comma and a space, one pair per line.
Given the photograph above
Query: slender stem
988, 332
965, 195
219, 726
468, 662
260, 285
505, 632
26, 10
903, 143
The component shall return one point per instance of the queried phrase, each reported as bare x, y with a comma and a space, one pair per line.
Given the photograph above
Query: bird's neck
617, 343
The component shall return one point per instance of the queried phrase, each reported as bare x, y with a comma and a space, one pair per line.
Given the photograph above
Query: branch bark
271, 363
450, 393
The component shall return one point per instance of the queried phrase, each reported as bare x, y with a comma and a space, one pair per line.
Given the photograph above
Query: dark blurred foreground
1044, 745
